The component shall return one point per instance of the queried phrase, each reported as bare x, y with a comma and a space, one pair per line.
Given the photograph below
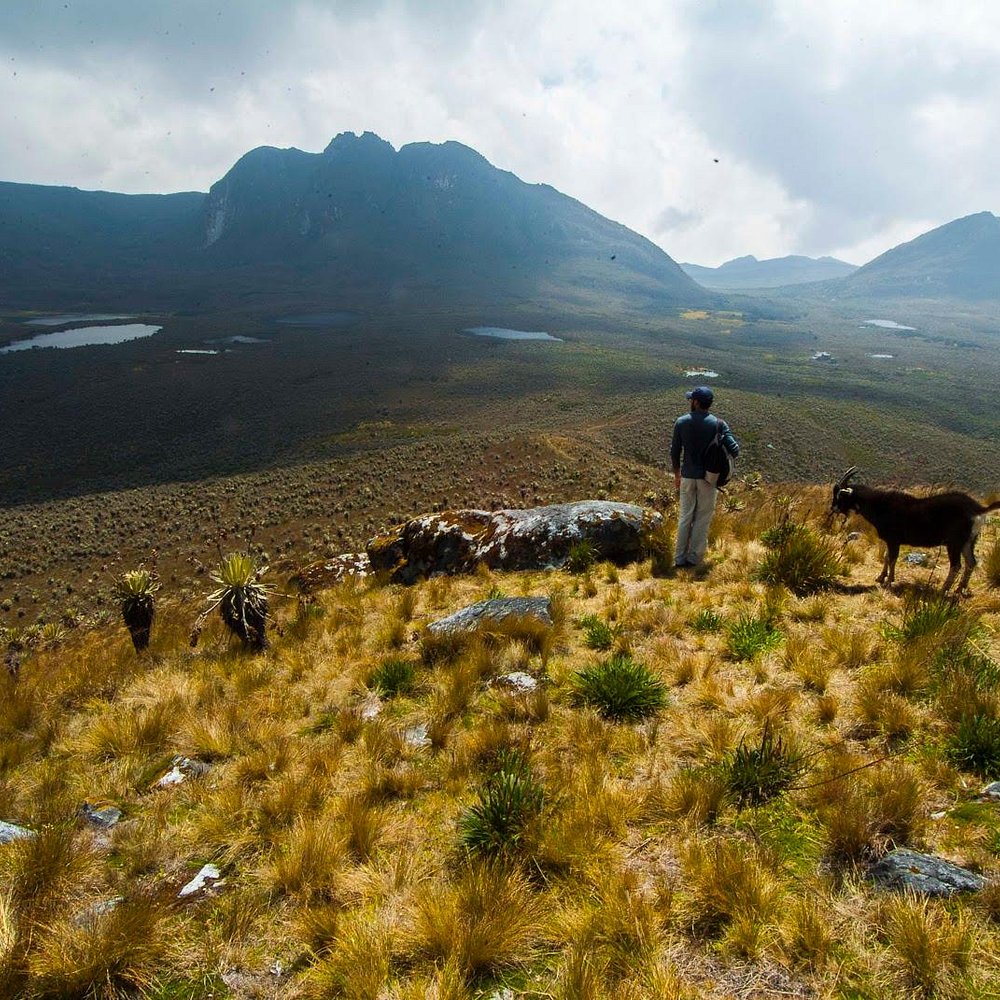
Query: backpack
717, 459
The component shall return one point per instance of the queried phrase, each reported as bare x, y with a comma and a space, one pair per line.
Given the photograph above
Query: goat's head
843, 495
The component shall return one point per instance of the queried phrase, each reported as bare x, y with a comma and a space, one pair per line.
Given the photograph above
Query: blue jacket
693, 433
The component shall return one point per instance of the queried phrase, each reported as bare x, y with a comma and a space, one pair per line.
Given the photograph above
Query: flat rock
329, 572
518, 680
208, 878
916, 558
9, 832
417, 736
924, 874
492, 612
182, 768
991, 793
457, 541
104, 817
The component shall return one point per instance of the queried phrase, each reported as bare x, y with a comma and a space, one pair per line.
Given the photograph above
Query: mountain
959, 260
749, 272
360, 222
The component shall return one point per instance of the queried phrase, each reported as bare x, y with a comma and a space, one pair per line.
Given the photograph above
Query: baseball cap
702, 394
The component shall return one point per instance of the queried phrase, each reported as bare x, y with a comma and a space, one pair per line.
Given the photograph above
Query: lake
84, 336
887, 324
501, 333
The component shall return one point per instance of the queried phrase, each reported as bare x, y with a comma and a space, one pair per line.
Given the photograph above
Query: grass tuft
620, 689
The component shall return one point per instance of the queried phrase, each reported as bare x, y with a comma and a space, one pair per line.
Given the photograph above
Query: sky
716, 128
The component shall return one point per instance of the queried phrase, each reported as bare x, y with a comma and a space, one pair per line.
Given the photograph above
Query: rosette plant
134, 591
241, 598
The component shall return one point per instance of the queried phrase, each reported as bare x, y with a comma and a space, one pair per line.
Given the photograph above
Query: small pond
84, 336
501, 333
881, 357
887, 324
701, 373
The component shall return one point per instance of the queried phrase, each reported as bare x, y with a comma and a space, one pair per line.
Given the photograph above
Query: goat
950, 519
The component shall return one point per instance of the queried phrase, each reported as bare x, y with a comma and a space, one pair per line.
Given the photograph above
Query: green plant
393, 677
975, 744
759, 772
619, 688
799, 559
134, 592
752, 634
925, 613
582, 555
241, 598
706, 620
508, 801
991, 563
597, 633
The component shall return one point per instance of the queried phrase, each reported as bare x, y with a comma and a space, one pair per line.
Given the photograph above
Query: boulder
9, 832
329, 572
457, 541
492, 612
902, 870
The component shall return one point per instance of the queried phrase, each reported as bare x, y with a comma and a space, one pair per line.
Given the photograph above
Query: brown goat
950, 519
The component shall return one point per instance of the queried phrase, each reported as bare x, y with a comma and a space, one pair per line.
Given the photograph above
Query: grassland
650, 857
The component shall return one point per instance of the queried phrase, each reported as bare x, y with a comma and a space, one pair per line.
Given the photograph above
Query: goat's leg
888, 573
955, 553
969, 555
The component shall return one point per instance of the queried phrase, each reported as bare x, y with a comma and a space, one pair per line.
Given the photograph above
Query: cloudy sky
714, 127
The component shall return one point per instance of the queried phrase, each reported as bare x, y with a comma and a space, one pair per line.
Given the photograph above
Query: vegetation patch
620, 689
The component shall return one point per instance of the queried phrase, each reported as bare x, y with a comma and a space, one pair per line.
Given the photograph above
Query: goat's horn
846, 476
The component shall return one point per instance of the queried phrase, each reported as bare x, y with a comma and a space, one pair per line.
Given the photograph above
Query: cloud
763, 127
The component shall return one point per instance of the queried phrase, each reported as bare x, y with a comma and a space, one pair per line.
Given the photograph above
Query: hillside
356, 225
776, 272
391, 816
959, 260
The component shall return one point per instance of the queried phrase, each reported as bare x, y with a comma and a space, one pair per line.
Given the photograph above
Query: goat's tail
993, 506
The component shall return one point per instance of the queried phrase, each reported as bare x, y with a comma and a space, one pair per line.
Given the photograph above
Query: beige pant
697, 503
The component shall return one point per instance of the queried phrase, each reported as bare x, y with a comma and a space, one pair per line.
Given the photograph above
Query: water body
501, 333
336, 319
77, 318
701, 373
192, 350
880, 356
887, 324
84, 336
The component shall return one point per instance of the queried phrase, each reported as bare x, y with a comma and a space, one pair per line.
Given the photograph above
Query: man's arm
675, 454
729, 442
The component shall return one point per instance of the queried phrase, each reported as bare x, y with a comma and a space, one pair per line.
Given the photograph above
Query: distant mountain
959, 260
358, 223
748, 272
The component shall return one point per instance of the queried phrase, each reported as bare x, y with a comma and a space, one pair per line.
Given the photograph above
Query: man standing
693, 433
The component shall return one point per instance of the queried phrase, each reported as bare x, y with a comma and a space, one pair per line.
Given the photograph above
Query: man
693, 433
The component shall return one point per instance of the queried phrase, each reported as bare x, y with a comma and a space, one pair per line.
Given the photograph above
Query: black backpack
717, 459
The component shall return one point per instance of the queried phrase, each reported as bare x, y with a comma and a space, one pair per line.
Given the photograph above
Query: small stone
417, 736
902, 870
916, 558
182, 769
371, 709
9, 832
502, 994
518, 680
106, 817
208, 878
95, 911
939, 815
991, 792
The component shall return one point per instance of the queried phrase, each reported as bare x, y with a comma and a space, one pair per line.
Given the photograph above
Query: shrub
799, 560
760, 772
706, 620
619, 688
925, 613
582, 555
752, 634
135, 592
241, 598
393, 677
975, 745
598, 634
508, 801
991, 563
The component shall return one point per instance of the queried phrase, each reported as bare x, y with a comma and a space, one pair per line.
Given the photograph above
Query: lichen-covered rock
924, 874
457, 541
492, 612
9, 832
329, 572
104, 817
